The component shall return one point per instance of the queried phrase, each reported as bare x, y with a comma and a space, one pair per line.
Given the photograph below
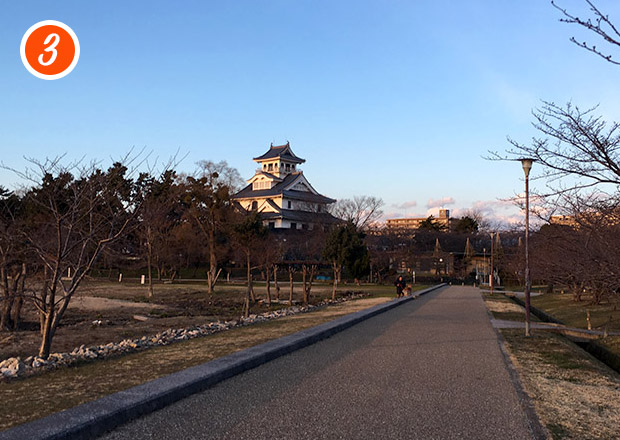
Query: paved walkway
429, 369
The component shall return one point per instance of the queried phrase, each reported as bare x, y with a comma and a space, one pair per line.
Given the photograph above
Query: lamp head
527, 162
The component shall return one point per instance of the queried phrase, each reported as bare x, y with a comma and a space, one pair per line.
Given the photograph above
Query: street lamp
491, 275
484, 265
527, 166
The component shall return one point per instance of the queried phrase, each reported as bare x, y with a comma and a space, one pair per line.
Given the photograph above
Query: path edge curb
90, 419
537, 428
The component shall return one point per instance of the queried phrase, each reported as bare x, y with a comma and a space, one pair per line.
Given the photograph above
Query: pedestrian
400, 286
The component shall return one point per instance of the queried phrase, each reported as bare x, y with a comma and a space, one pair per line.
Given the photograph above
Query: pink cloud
439, 203
406, 205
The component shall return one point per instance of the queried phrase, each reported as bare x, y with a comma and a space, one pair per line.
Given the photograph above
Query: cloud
432, 203
406, 205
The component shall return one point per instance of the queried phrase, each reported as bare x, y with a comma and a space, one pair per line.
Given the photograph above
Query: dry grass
575, 395
178, 305
38, 396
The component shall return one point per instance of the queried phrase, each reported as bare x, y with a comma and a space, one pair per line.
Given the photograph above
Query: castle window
289, 204
288, 167
293, 225
293, 166
254, 205
270, 167
261, 184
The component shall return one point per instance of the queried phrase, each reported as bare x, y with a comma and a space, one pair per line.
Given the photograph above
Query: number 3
51, 48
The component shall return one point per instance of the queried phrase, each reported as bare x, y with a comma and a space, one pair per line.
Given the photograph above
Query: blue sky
395, 99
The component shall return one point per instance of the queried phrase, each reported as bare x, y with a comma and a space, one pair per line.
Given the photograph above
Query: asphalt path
429, 369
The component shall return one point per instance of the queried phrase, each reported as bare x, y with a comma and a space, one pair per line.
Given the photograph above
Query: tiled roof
249, 193
281, 151
301, 216
278, 190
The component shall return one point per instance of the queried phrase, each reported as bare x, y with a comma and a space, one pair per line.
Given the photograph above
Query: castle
282, 195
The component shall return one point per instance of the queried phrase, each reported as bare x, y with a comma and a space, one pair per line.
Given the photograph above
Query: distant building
282, 195
406, 224
564, 220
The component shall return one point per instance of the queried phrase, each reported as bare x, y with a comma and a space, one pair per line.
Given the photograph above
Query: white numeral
51, 48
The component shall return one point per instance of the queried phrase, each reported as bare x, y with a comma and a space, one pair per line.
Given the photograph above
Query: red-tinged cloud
439, 203
406, 205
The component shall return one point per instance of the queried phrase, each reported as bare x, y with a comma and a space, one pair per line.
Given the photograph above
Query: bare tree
12, 266
599, 23
250, 235
362, 211
161, 212
581, 255
578, 150
71, 220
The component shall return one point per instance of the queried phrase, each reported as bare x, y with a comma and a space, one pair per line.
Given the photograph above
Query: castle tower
280, 192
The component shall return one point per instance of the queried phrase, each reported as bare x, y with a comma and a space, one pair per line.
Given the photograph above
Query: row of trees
73, 219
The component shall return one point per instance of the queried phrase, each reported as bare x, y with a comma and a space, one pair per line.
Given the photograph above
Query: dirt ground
104, 312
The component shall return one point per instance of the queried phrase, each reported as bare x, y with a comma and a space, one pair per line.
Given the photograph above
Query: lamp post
491, 275
484, 266
527, 166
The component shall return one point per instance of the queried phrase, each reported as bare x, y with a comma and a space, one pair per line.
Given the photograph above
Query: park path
429, 369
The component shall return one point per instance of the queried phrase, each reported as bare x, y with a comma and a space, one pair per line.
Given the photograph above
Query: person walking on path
400, 286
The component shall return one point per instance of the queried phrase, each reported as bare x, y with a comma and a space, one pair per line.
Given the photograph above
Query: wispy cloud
406, 205
432, 203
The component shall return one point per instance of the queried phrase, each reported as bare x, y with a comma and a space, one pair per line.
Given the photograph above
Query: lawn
114, 306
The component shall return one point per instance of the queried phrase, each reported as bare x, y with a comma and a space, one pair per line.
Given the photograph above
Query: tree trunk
44, 294
304, 272
149, 267
275, 281
308, 277
19, 300
313, 268
251, 296
336, 268
4, 288
46, 329
211, 276
290, 279
268, 280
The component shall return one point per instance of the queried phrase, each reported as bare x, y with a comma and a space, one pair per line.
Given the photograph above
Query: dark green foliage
345, 247
430, 224
250, 229
466, 225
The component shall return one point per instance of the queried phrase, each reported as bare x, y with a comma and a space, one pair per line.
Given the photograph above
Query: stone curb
93, 418
535, 425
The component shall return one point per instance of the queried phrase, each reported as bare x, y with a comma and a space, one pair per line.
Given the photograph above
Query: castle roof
283, 152
283, 188
301, 216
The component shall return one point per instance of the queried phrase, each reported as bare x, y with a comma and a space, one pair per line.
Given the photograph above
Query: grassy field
575, 395
573, 314
178, 305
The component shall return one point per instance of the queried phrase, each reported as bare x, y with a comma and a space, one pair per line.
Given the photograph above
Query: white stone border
16, 367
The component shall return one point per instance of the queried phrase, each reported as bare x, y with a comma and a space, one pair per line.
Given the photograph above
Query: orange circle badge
50, 49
